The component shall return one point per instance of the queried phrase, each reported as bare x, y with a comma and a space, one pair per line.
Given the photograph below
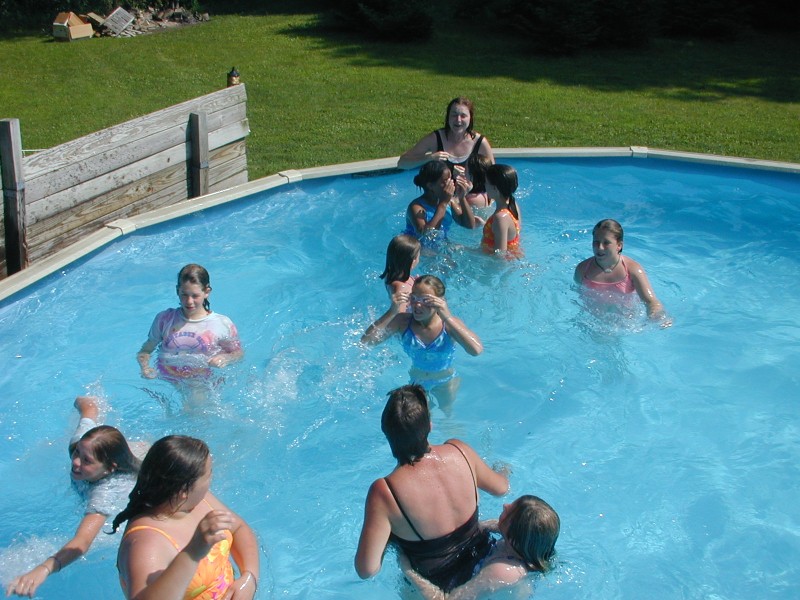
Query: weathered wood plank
136, 198
65, 199
13, 185
104, 141
198, 128
165, 188
53, 245
237, 179
228, 170
46, 183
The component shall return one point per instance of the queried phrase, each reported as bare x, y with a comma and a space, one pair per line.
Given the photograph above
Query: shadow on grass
689, 70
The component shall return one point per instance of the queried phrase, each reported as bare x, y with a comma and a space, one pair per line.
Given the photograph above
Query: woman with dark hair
103, 471
191, 339
443, 201
179, 538
529, 528
428, 505
454, 144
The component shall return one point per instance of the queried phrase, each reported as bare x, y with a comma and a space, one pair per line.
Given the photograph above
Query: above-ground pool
670, 454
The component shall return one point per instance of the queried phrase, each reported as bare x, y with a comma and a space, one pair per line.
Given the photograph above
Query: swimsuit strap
162, 532
439, 143
474, 482
586, 270
400, 506
477, 145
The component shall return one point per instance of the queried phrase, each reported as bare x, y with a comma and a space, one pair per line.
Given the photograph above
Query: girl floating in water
190, 339
529, 528
501, 230
104, 471
428, 335
402, 256
608, 272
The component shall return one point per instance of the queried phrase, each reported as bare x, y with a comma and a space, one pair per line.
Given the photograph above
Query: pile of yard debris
68, 26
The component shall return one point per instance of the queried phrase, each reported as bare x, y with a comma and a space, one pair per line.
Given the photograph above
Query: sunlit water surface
670, 454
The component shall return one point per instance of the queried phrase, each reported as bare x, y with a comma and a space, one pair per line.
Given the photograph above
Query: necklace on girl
609, 269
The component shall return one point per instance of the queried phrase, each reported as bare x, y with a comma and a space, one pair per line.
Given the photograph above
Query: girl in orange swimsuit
179, 537
607, 271
501, 230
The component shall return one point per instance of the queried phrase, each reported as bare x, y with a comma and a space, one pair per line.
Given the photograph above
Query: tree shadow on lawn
690, 70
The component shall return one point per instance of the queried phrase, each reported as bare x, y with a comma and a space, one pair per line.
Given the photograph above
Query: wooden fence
55, 197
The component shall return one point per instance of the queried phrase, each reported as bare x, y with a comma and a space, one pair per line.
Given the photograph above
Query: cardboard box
68, 26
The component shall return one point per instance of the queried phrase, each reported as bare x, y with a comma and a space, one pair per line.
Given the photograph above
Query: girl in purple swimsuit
608, 272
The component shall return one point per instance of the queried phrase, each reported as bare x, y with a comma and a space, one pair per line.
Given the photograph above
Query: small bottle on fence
233, 77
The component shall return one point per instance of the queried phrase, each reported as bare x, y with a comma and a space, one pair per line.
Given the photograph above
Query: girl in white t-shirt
104, 470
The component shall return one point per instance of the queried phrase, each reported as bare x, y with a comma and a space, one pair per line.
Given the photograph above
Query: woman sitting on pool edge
427, 505
529, 528
427, 334
103, 471
608, 271
452, 145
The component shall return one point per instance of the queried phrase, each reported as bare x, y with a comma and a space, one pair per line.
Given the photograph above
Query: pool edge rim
18, 282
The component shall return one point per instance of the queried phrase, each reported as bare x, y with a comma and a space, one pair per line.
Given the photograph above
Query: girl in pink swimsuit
607, 271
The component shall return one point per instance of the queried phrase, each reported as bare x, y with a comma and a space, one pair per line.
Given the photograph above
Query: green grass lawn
319, 98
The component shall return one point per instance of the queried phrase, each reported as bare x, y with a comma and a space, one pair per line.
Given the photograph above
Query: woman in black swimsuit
454, 144
428, 505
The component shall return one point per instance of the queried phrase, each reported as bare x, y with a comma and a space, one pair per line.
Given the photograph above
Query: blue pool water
670, 454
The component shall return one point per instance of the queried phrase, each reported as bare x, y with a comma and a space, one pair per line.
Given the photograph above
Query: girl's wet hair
400, 255
612, 227
532, 530
172, 466
111, 449
433, 282
478, 164
470, 107
406, 423
430, 172
196, 274
504, 178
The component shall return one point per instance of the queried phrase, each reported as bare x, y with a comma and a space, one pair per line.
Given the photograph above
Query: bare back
438, 494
